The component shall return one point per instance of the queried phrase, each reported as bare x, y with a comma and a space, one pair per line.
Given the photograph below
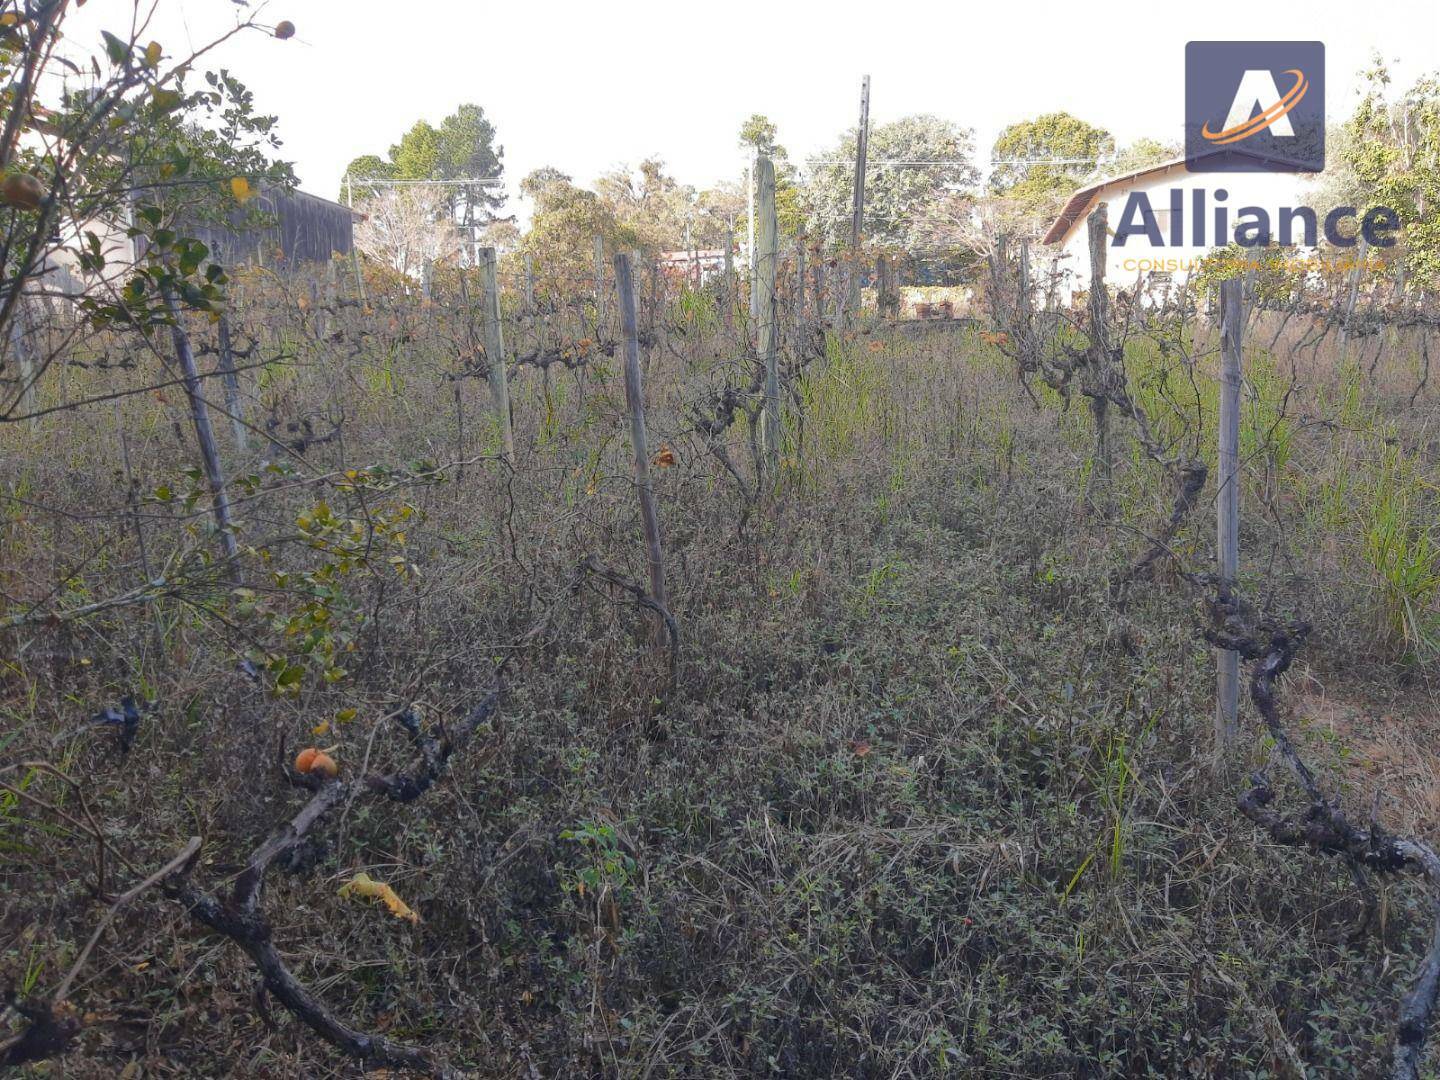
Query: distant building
703, 264
301, 228
1141, 261
305, 229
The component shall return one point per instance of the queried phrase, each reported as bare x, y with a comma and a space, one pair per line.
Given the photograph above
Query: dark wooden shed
302, 228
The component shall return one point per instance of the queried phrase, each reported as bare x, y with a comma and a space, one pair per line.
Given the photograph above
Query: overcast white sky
586, 86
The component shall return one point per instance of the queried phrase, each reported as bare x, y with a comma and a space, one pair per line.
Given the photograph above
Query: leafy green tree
537, 180
1141, 154
461, 148
417, 155
1047, 158
899, 200
717, 211
759, 135
562, 235
1388, 155
650, 203
365, 167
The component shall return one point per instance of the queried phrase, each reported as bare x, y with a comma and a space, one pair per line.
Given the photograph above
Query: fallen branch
1322, 826
241, 920
53, 1022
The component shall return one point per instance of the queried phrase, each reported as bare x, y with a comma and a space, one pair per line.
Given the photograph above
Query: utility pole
857, 215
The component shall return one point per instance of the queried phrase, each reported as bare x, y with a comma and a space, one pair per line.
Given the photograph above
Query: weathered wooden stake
495, 349
727, 292
234, 404
600, 289
20, 346
1351, 296
359, 277
750, 242
354, 251
768, 327
205, 435
635, 404
857, 208
817, 278
1227, 517
800, 283
887, 288
1099, 358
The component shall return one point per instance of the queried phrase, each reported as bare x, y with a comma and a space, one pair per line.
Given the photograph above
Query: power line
993, 161
377, 181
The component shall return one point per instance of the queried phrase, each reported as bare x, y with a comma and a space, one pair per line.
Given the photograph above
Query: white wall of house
1139, 258
61, 271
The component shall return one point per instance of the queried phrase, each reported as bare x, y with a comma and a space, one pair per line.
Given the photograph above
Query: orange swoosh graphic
1264, 119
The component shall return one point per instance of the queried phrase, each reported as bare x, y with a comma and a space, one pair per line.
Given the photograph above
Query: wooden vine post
750, 242
495, 350
1026, 306
728, 292
768, 325
887, 288
1227, 506
857, 207
600, 312
1099, 359
205, 435
234, 404
799, 296
1351, 295
354, 251
635, 405
21, 346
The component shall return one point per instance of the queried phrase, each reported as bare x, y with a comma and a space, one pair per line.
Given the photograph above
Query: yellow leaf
152, 54
364, 885
240, 188
320, 728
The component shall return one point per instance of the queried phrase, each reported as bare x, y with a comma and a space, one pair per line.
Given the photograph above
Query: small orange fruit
305, 760
284, 29
324, 765
22, 190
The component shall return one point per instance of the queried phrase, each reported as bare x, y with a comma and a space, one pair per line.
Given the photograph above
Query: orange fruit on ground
324, 765
305, 760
